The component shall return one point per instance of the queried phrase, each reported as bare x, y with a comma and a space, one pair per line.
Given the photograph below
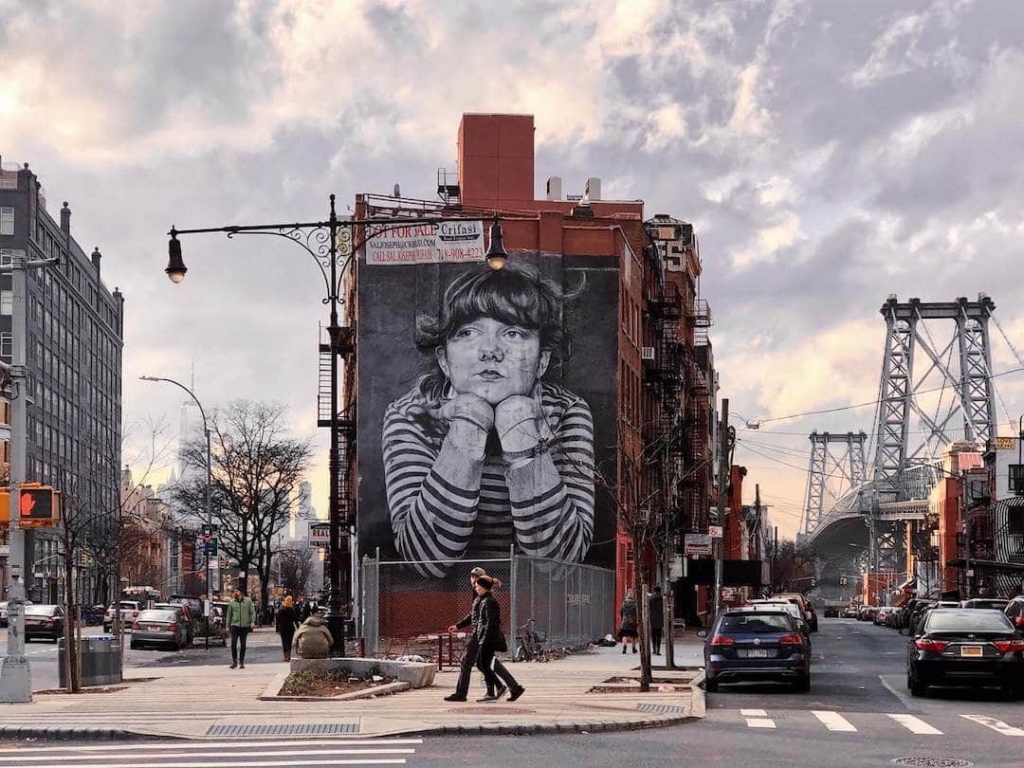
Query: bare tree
255, 470
296, 566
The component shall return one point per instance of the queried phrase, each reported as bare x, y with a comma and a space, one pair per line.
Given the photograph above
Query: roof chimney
65, 219
495, 159
555, 188
96, 256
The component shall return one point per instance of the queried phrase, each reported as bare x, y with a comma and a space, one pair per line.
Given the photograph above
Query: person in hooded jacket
313, 640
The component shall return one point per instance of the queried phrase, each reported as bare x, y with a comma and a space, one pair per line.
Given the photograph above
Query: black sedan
46, 621
965, 647
754, 645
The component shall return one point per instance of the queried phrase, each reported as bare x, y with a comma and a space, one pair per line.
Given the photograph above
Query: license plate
757, 653
30, 622
156, 628
972, 650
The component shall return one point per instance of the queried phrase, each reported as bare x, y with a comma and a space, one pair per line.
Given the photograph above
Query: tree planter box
416, 674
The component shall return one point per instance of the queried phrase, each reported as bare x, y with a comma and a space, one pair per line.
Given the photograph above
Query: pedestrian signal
38, 505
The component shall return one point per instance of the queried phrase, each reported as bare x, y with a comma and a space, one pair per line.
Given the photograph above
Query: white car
129, 613
792, 608
3, 612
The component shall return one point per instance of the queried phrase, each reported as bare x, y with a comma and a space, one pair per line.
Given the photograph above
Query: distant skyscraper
190, 427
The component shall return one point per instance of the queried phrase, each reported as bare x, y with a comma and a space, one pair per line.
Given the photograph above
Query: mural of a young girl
482, 452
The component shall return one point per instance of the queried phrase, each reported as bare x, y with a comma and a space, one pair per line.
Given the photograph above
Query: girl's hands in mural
520, 424
470, 418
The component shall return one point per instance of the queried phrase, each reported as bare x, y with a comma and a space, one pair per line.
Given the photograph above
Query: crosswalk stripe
835, 722
996, 725
753, 713
210, 745
916, 725
250, 764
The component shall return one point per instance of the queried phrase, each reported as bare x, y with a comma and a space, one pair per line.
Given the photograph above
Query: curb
81, 733
529, 730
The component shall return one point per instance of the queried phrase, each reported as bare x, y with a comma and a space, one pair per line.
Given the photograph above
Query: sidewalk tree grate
283, 729
662, 709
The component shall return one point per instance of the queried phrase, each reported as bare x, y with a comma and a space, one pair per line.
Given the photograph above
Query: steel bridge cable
841, 408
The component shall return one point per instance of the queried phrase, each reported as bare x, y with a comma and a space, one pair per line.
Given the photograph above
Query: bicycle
532, 643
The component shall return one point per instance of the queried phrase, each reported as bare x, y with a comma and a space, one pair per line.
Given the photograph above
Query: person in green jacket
241, 620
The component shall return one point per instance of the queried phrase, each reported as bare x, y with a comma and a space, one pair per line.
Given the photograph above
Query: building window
6, 302
1015, 520
5, 344
1017, 479
6, 221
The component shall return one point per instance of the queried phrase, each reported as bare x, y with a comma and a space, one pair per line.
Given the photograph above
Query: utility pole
775, 557
15, 673
723, 481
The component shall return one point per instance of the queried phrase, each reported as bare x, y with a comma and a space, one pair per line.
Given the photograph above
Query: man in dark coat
656, 609
468, 661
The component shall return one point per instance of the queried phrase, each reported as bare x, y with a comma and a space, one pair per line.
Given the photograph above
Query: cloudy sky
829, 152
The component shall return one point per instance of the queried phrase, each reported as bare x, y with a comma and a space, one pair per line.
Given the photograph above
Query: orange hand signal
27, 504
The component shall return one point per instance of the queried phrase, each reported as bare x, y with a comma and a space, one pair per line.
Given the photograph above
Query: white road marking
835, 722
996, 725
916, 725
753, 713
760, 722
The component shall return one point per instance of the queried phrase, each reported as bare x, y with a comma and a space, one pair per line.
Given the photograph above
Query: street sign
697, 545
320, 535
210, 545
715, 531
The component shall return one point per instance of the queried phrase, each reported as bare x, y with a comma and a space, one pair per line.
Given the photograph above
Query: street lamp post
320, 240
209, 491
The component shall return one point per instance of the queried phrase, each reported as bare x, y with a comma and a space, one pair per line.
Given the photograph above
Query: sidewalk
216, 702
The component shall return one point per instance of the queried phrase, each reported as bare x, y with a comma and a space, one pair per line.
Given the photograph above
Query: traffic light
38, 505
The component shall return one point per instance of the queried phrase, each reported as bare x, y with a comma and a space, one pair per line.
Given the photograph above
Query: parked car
958, 646
92, 615
812, 616
867, 613
160, 626
747, 644
1014, 611
881, 615
800, 600
851, 612
986, 603
3, 612
129, 613
45, 621
894, 618
187, 617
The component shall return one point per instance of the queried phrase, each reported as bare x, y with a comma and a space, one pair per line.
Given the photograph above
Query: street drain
933, 762
282, 729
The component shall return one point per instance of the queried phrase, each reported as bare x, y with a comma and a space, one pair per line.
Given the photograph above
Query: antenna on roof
398, 191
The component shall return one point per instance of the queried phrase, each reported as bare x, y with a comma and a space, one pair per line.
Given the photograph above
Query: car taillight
791, 640
135, 614
136, 625
1019, 621
927, 644
1009, 646
172, 627
722, 640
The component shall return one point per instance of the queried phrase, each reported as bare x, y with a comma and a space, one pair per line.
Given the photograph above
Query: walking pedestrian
287, 621
241, 620
656, 608
469, 656
628, 629
492, 639
313, 640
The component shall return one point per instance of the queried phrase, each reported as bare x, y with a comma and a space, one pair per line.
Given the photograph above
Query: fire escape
696, 481
663, 368
346, 415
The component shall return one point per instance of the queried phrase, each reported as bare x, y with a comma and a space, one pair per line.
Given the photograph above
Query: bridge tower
832, 471
922, 409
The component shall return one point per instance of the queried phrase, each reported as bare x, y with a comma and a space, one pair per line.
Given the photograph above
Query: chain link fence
405, 612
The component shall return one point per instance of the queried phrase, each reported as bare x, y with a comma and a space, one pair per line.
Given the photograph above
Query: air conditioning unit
647, 353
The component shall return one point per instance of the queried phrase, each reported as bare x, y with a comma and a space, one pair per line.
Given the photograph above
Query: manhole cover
494, 711
933, 762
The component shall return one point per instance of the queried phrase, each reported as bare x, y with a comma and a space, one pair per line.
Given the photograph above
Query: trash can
101, 661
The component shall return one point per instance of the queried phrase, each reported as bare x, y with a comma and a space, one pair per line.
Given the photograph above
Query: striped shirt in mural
446, 505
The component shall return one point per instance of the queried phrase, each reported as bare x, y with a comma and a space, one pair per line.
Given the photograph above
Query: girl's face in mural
493, 360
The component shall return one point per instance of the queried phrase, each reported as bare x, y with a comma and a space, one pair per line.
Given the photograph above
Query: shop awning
988, 565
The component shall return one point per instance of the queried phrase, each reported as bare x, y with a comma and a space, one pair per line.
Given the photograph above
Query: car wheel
803, 685
917, 688
710, 685
134, 646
